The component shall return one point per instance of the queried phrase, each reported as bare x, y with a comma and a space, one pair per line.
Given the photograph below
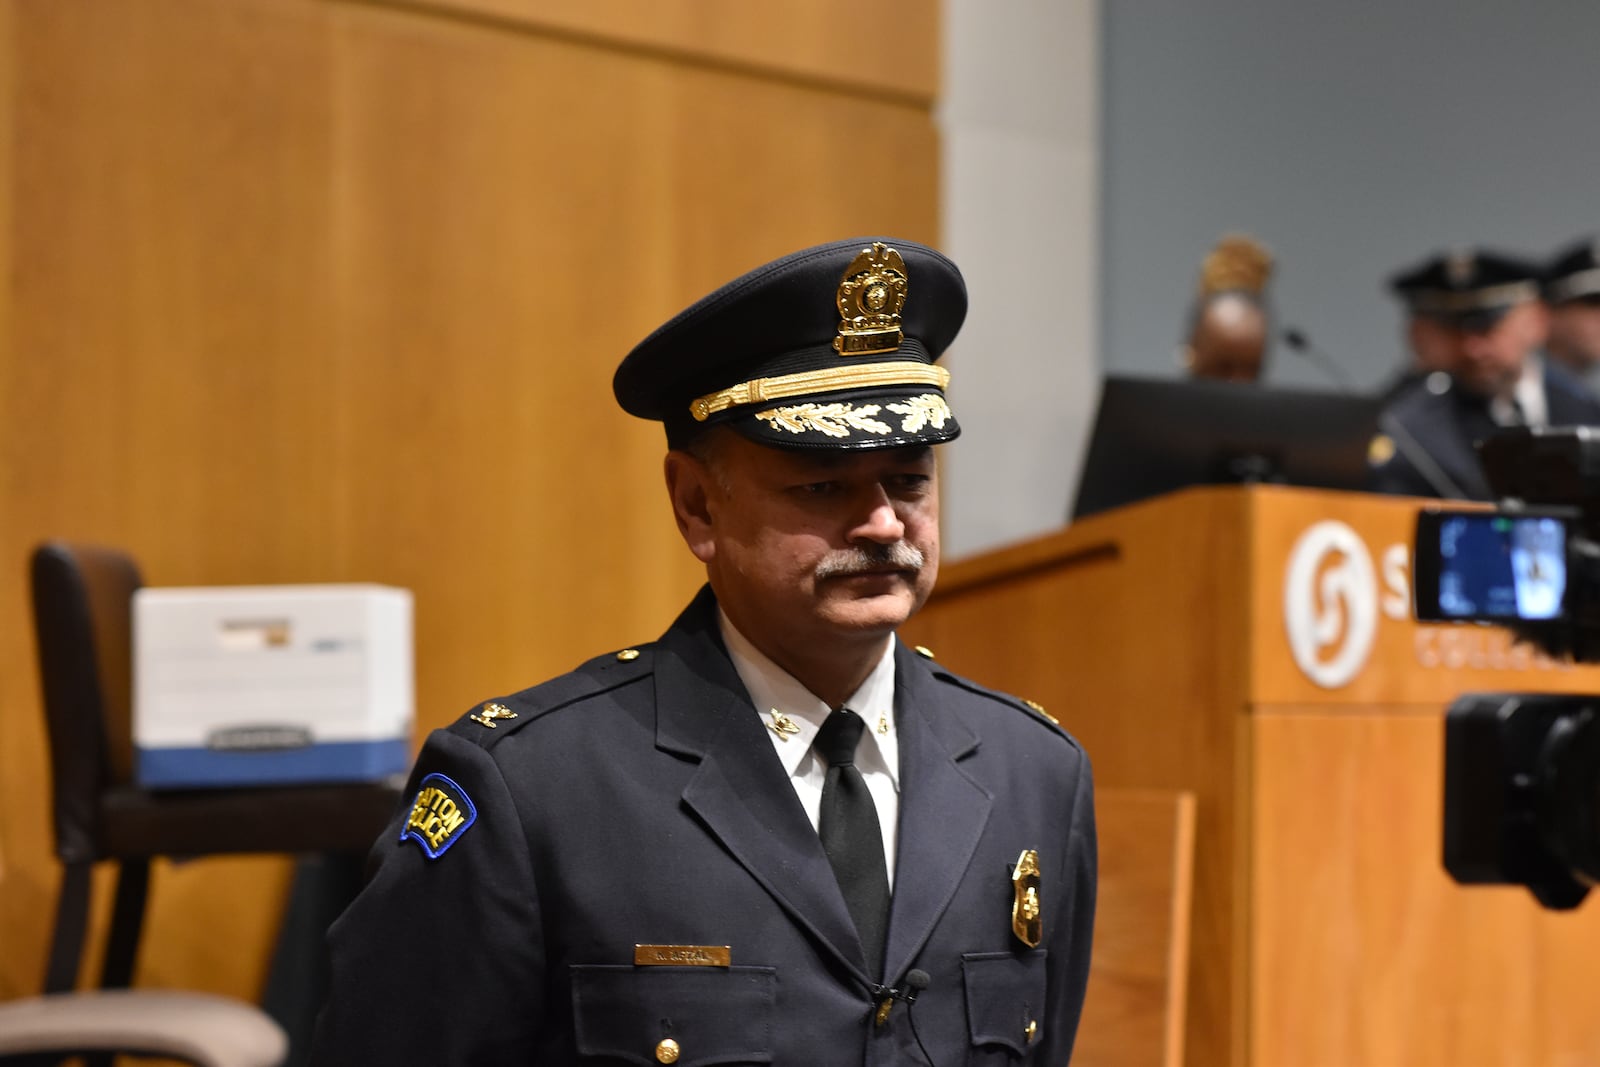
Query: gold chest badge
1027, 913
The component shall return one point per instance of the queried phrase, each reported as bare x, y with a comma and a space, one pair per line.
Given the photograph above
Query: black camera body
1522, 770
1520, 791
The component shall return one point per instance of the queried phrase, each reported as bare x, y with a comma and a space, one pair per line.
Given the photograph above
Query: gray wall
1352, 138
1021, 155
1094, 153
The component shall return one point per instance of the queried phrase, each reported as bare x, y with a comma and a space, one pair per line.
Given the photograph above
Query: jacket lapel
741, 791
943, 812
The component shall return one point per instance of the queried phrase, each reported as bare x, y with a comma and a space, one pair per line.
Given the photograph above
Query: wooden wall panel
311, 291
891, 46
682, 178
170, 299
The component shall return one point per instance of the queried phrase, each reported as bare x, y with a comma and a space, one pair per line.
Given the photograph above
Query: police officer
1476, 318
776, 834
1572, 290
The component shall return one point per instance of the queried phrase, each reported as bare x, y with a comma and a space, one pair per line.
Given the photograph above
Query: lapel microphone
917, 980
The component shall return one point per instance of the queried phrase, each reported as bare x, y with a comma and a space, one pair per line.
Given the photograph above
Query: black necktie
851, 835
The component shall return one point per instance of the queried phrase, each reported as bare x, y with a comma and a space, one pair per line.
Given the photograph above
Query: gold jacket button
625, 655
924, 650
667, 1051
1031, 1031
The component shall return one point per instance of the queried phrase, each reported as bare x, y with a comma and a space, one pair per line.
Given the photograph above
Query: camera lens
1569, 793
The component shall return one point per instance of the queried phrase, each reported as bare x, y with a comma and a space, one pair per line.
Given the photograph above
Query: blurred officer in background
1572, 289
1477, 316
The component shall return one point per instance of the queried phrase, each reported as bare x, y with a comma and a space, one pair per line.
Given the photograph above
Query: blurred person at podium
1229, 326
1476, 316
777, 834
1572, 290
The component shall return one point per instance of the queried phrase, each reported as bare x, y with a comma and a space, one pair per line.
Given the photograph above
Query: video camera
1522, 770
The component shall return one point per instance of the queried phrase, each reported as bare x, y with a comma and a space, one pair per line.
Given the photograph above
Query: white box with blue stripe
271, 685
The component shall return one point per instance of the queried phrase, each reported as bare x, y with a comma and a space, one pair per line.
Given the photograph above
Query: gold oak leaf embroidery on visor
839, 419
835, 420
920, 411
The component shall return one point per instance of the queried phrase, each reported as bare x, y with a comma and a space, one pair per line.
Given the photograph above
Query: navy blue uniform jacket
639, 801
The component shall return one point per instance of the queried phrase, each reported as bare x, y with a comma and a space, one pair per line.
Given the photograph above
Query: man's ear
690, 484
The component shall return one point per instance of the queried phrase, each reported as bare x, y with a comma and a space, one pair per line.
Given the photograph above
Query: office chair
82, 601
195, 1028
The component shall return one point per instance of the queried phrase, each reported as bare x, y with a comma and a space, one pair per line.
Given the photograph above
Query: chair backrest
83, 617
82, 610
1134, 1011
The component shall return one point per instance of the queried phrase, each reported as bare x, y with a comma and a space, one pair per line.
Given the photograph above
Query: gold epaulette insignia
628, 655
1036, 706
925, 651
440, 814
1027, 912
491, 712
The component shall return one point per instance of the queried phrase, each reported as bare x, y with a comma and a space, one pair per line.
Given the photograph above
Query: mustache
863, 559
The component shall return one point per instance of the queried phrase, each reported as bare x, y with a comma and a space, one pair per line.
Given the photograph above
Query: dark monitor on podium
1153, 436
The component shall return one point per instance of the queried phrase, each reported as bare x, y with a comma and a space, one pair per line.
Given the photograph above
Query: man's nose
879, 521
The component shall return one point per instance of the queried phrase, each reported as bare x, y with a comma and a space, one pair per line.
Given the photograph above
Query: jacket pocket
711, 1015
1005, 1002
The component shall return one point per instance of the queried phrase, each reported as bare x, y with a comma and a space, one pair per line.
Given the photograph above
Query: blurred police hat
830, 347
1469, 289
1574, 274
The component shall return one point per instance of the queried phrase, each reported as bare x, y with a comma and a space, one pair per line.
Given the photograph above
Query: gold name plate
682, 956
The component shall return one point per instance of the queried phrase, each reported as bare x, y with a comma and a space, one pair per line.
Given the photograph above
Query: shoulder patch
440, 814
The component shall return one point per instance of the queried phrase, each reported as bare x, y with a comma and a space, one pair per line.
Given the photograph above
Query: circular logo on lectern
1330, 604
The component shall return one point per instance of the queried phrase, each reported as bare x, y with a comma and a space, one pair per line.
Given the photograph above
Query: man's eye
909, 483
818, 488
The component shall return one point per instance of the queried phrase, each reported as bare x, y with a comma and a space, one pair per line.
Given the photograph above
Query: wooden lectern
1255, 646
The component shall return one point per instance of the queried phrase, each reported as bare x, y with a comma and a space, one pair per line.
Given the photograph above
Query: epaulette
494, 719
1031, 708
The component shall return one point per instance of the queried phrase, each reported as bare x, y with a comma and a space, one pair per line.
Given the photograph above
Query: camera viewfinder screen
1502, 567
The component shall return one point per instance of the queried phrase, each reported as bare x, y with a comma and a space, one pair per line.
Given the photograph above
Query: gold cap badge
870, 297
1459, 266
1027, 913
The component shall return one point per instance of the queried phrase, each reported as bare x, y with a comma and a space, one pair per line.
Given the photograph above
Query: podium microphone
1298, 341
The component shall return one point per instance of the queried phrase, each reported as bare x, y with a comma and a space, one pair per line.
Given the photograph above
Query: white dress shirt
779, 697
1527, 405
